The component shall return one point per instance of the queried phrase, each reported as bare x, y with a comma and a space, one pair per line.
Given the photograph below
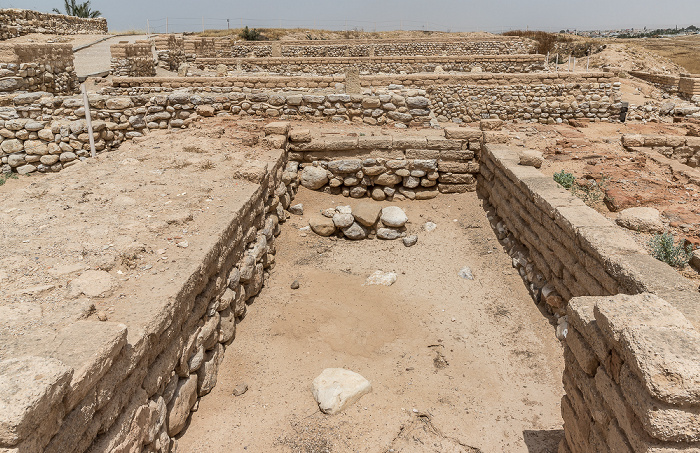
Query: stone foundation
104, 386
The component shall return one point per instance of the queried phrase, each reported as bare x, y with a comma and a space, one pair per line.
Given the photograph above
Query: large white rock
313, 177
337, 388
393, 216
381, 278
641, 219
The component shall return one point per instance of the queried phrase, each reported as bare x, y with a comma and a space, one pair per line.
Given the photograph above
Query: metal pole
228, 24
588, 59
88, 119
557, 63
202, 24
574, 64
148, 27
166, 25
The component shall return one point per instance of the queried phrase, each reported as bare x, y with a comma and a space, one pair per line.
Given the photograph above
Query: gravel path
96, 58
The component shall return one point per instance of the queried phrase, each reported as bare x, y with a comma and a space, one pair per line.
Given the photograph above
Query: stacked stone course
19, 22
631, 375
684, 149
373, 65
37, 67
132, 59
379, 167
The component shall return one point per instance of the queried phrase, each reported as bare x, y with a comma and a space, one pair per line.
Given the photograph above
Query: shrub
664, 248
5, 176
251, 34
565, 179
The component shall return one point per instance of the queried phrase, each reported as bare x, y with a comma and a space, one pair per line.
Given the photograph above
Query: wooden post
88, 119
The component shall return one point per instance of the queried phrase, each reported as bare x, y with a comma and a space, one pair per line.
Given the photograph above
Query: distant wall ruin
19, 22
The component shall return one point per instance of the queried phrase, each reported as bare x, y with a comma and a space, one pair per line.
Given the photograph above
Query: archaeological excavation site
428, 242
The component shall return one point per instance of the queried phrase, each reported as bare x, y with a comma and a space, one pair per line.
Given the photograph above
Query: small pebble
295, 284
240, 389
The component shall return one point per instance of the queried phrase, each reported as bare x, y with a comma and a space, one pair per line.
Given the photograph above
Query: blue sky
454, 15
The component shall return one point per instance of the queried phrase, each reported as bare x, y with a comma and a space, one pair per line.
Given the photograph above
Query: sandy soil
456, 365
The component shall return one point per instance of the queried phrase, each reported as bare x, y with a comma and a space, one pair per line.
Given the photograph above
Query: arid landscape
316, 241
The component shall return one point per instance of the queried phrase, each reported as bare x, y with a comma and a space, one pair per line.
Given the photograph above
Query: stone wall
631, 367
132, 59
170, 51
684, 149
545, 98
19, 22
230, 48
131, 388
37, 67
417, 167
631, 361
373, 65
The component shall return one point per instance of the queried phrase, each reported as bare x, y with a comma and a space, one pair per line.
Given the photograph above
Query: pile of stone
365, 221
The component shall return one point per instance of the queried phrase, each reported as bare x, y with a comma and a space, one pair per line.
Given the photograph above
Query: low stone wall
547, 101
684, 149
230, 48
132, 59
37, 67
666, 82
545, 98
373, 65
39, 127
106, 386
417, 167
19, 22
631, 373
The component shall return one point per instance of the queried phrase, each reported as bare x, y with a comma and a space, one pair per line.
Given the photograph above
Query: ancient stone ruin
114, 350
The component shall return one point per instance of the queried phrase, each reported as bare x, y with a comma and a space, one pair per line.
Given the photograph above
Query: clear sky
454, 15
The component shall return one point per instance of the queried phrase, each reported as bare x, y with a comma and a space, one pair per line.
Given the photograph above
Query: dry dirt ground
455, 365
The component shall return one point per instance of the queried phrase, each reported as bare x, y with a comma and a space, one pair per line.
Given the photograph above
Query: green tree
78, 9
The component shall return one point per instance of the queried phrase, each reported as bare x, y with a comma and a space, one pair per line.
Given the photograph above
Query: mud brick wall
631, 340
19, 22
132, 59
170, 51
631, 376
684, 149
37, 67
133, 390
371, 65
689, 85
664, 81
416, 167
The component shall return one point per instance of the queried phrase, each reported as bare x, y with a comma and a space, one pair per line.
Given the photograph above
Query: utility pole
228, 24
202, 24
166, 25
148, 27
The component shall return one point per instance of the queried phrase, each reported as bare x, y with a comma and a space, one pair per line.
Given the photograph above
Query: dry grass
682, 50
